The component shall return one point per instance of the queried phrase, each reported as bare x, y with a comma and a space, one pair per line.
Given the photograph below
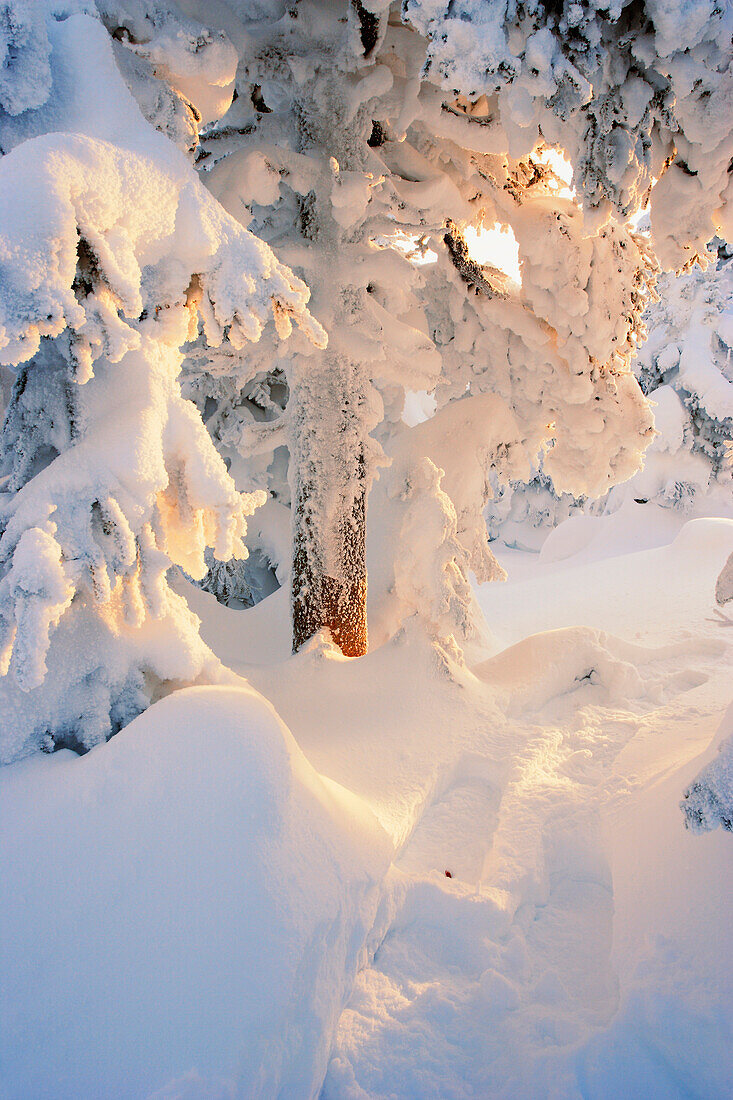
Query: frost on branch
112, 257
180, 72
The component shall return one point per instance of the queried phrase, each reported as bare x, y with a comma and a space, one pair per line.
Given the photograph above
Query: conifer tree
365, 137
112, 256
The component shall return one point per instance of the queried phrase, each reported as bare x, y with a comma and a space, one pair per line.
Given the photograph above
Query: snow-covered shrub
429, 563
686, 367
520, 514
111, 254
708, 801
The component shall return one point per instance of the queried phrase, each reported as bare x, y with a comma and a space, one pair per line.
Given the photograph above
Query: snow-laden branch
141, 232
112, 257
635, 93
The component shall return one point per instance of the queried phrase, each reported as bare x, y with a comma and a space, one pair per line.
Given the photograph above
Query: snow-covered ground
416, 879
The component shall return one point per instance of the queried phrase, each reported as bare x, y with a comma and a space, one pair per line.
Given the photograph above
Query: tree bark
328, 477
337, 603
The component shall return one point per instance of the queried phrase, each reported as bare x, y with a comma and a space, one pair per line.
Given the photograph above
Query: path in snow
547, 781
520, 976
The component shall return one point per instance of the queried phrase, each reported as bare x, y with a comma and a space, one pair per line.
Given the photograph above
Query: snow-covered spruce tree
111, 253
359, 128
708, 800
685, 367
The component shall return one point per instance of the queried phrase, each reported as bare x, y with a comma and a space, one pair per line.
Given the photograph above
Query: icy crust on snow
112, 257
210, 897
630, 92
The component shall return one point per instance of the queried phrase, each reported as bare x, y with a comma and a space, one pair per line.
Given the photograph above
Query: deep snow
209, 907
183, 905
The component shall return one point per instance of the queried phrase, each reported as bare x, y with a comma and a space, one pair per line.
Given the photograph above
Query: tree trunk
328, 478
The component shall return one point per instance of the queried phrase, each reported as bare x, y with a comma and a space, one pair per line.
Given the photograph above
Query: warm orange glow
496, 246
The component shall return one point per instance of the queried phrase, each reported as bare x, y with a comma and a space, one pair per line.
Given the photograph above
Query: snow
186, 904
490, 857
290, 887
582, 945
579, 947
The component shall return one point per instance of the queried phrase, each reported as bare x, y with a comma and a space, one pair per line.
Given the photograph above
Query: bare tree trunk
328, 476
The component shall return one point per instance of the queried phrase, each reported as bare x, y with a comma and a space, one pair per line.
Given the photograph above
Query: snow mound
555, 662
634, 527
683, 571
207, 897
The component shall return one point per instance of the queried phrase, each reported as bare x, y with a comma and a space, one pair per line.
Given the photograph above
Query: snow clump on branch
633, 92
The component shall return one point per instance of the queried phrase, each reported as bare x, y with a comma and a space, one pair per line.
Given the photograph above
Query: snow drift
188, 905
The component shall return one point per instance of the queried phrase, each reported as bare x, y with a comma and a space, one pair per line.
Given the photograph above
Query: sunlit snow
366, 550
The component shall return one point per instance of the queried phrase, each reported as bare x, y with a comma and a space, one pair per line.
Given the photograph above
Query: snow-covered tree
361, 140
686, 368
366, 137
708, 801
112, 257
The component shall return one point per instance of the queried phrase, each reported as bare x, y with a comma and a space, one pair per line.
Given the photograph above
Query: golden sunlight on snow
496, 246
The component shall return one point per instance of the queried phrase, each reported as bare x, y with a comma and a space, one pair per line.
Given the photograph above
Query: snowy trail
518, 976
280, 865
492, 984
547, 781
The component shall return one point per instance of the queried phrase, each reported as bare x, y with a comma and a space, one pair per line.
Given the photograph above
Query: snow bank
184, 906
635, 526
616, 594
538, 669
